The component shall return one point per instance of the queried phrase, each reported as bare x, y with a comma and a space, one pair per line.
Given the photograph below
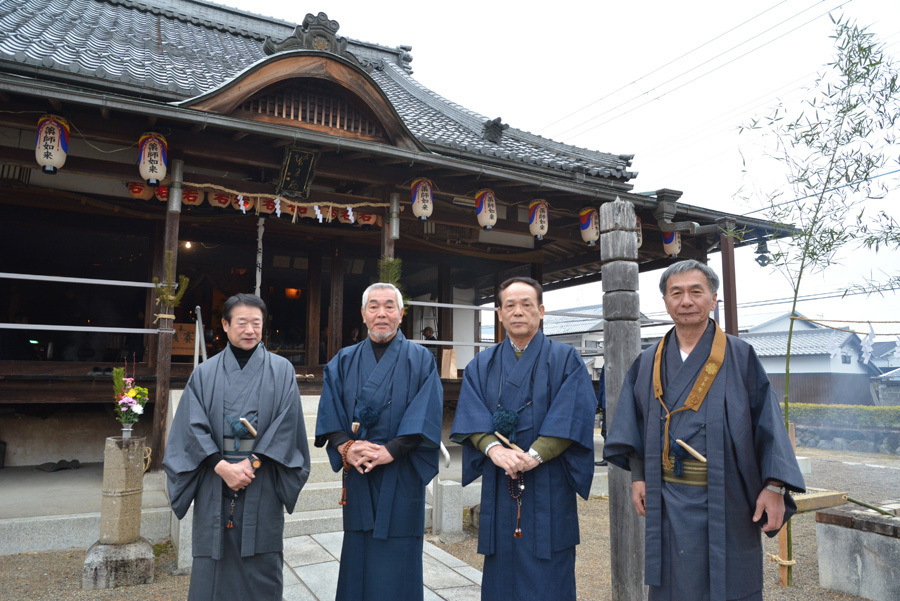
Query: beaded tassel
343, 500
516, 490
230, 523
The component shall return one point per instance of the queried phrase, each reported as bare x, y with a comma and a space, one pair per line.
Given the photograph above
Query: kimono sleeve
190, 443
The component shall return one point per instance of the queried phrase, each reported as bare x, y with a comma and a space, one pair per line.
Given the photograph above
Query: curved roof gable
288, 88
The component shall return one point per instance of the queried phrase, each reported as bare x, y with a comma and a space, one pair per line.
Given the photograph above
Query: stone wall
864, 440
888, 392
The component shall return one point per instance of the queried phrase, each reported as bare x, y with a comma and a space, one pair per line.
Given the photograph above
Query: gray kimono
265, 391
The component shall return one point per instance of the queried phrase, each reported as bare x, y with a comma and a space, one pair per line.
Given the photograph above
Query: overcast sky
669, 82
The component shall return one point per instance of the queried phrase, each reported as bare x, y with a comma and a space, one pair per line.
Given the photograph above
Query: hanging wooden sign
297, 171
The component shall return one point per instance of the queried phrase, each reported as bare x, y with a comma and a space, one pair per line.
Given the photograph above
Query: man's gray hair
380, 285
689, 265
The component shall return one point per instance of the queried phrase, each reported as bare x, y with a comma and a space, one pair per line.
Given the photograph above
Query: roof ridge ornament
319, 33
493, 130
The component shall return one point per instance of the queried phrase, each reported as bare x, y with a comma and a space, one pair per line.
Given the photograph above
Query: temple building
144, 139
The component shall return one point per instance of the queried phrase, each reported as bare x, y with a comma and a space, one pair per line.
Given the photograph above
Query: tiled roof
179, 49
774, 344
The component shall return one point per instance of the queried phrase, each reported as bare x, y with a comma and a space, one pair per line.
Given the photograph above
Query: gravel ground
872, 478
868, 477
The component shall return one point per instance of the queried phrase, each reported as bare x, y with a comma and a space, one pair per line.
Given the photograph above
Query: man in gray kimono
238, 451
704, 505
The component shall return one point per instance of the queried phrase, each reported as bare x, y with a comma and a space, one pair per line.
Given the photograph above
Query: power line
680, 86
660, 68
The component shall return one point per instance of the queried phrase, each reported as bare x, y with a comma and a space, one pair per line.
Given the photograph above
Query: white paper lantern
672, 243
153, 160
422, 198
486, 208
538, 218
590, 225
52, 143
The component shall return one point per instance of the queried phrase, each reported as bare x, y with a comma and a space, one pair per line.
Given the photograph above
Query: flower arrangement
130, 399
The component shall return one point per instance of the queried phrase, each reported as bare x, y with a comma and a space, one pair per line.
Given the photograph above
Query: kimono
384, 518
551, 391
701, 542
243, 561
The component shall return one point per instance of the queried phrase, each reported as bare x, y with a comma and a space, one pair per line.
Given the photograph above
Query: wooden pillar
729, 288
166, 330
336, 308
499, 330
445, 295
313, 308
156, 246
622, 344
387, 243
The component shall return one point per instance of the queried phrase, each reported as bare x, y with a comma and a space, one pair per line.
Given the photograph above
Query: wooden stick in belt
505, 441
691, 450
250, 428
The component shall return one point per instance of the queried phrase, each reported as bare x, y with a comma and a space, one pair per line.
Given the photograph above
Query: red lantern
220, 199
267, 205
248, 203
139, 190
162, 193
52, 143
344, 215
305, 212
422, 198
153, 158
192, 198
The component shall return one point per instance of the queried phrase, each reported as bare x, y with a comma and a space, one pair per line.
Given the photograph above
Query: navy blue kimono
701, 542
384, 518
550, 387
244, 561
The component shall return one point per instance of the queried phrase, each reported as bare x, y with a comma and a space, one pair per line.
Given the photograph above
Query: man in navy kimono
240, 479
708, 390
538, 395
380, 416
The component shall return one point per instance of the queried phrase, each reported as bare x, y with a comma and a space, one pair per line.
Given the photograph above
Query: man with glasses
700, 428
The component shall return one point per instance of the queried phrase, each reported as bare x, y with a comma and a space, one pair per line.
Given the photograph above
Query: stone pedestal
121, 557
859, 553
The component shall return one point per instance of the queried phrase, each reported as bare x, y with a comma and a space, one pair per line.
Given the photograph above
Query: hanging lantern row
153, 158
486, 208
590, 225
422, 198
240, 202
52, 145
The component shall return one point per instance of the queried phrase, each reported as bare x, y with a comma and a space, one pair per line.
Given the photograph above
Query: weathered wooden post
621, 344
121, 557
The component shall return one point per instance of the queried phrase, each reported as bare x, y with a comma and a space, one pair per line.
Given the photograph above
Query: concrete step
80, 530
320, 471
319, 495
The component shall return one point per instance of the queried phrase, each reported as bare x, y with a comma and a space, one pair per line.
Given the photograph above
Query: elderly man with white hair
380, 421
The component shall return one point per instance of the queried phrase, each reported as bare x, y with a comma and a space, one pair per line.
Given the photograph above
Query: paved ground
451, 568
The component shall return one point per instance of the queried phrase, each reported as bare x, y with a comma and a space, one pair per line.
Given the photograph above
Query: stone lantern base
110, 566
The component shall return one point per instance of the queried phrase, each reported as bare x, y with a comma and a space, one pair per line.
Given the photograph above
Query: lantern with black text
52, 143
153, 158
486, 208
422, 198
672, 243
590, 225
538, 218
